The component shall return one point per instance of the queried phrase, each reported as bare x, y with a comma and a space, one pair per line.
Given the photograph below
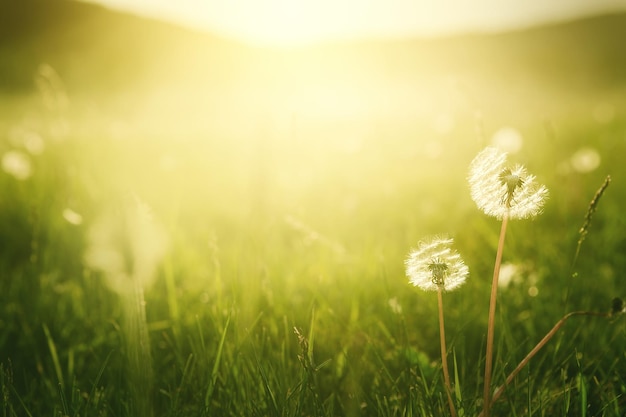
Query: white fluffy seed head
499, 190
434, 265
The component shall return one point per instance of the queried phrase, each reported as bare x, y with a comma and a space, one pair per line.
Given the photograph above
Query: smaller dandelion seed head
434, 265
500, 190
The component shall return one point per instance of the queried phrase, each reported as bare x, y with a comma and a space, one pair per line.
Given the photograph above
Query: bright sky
289, 22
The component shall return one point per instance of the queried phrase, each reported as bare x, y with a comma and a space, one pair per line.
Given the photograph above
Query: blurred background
309, 117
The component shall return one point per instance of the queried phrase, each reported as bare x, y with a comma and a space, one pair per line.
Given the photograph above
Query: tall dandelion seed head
434, 265
498, 189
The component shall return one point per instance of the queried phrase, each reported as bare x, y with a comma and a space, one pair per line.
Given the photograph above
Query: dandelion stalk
505, 193
444, 356
492, 316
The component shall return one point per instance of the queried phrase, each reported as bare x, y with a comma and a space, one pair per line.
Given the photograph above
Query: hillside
189, 78
93, 47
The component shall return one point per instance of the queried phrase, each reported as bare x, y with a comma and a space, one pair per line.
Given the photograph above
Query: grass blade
96, 382
457, 386
216, 365
54, 355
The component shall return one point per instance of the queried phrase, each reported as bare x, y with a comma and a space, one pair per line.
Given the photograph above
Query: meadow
208, 228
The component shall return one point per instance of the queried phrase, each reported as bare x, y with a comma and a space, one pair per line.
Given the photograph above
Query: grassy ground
275, 281
255, 266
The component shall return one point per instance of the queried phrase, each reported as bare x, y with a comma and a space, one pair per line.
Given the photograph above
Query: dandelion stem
444, 350
498, 393
492, 316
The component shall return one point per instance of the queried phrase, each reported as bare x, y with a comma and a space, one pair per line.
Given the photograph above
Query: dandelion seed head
434, 265
512, 179
498, 189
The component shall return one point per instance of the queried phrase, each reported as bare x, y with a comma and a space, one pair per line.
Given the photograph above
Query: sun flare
297, 22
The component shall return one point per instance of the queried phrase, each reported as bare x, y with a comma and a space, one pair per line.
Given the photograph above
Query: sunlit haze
231, 207
292, 22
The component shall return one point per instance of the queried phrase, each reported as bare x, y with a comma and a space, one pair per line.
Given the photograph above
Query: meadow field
190, 226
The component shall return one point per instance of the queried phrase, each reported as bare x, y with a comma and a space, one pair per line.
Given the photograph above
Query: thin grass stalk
582, 387
583, 231
63, 400
216, 367
54, 355
19, 399
444, 350
492, 317
457, 383
140, 375
172, 300
92, 397
498, 393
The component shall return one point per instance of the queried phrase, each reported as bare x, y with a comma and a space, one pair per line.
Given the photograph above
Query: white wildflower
500, 190
434, 265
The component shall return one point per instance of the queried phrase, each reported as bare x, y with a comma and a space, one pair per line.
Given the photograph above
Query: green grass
236, 281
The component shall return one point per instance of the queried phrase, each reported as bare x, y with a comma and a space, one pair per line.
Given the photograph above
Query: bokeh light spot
604, 113
29, 140
509, 273
395, 306
508, 140
17, 164
585, 160
72, 217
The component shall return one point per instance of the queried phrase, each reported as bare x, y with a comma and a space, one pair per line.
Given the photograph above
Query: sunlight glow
294, 22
